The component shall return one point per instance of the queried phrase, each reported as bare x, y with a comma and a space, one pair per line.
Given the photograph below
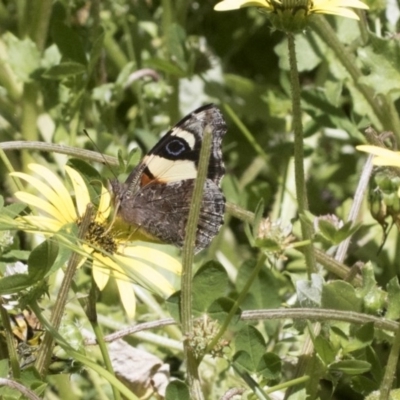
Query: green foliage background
125, 71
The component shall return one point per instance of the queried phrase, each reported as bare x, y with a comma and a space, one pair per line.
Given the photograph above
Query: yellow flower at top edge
126, 262
292, 15
383, 157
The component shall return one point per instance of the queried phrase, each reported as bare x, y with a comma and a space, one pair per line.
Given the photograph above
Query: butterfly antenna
117, 202
99, 151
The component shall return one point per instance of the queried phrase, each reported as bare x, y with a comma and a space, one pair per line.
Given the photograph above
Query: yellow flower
384, 157
125, 261
291, 15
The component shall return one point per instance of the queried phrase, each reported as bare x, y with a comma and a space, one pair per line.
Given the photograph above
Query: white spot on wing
169, 170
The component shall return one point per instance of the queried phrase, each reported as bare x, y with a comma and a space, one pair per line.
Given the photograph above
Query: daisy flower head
292, 15
58, 210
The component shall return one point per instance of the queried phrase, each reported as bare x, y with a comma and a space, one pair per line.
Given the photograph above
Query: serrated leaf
351, 367
209, 283
270, 366
309, 292
339, 295
177, 390
64, 70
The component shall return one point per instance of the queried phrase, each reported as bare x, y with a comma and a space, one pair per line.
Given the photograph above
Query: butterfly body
156, 196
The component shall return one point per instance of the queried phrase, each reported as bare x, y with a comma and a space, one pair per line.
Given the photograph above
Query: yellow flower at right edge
292, 16
383, 157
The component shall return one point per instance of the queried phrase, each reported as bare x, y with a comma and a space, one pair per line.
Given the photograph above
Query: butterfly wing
157, 194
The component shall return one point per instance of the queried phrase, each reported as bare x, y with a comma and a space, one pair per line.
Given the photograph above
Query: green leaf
351, 367
177, 390
382, 58
42, 259
250, 347
4, 368
209, 283
372, 296
64, 70
309, 293
165, 66
245, 361
264, 292
339, 295
324, 349
69, 43
96, 50
362, 338
173, 305
21, 255
14, 283
220, 308
175, 41
23, 56
393, 300
270, 366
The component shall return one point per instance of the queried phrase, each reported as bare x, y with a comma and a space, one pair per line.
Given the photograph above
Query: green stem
168, 19
238, 302
287, 384
29, 118
92, 317
12, 354
45, 351
391, 367
299, 155
187, 264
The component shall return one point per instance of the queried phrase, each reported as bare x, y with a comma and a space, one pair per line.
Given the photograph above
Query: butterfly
156, 196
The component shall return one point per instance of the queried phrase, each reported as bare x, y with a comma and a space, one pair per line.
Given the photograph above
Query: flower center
97, 236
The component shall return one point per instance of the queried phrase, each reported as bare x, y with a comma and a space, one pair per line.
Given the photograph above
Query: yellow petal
82, 197
236, 4
127, 295
321, 4
104, 205
37, 202
343, 12
143, 273
378, 151
40, 223
50, 195
147, 255
100, 274
57, 185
